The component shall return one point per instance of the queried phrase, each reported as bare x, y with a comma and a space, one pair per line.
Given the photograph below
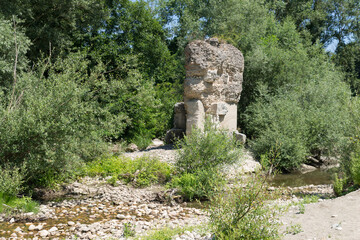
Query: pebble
32, 227
53, 229
120, 216
70, 223
43, 233
336, 227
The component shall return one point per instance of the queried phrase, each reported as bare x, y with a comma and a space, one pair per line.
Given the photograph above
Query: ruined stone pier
213, 85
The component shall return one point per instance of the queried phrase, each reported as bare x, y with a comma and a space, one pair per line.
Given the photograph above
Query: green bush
338, 185
244, 212
201, 185
143, 140
129, 230
311, 121
348, 177
52, 125
198, 161
355, 170
11, 180
354, 165
142, 171
206, 149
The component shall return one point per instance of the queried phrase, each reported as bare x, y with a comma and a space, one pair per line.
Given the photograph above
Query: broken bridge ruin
212, 87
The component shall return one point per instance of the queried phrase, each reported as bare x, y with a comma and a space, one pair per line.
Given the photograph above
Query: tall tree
343, 22
54, 24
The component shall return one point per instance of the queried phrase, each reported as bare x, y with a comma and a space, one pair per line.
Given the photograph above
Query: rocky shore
101, 211
93, 209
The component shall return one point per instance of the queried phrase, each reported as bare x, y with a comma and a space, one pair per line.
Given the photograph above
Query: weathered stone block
219, 109
195, 115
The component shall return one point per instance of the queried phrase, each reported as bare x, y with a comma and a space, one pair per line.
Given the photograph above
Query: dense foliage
78, 74
294, 96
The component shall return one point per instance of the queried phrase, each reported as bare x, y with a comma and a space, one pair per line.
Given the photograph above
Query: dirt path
337, 218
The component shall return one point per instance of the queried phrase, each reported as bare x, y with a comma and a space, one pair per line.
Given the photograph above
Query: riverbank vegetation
77, 76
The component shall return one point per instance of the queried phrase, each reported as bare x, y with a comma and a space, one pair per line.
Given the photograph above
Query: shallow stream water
297, 179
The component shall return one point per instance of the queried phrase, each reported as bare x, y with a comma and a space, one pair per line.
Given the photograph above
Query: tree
342, 25
13, 44
133, 45
347, 57
54, 24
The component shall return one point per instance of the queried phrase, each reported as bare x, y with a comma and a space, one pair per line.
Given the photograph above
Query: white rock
32, 227
43, 233
120, 216
53, 229
70, 223
18, 229
84, 229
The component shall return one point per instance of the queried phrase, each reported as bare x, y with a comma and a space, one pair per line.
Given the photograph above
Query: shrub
201, 185
355, 166
338, 185
311, 120
142, 171
52, 125
349, 173
199, 159
243, 212
207, 149
142, 141
11, 180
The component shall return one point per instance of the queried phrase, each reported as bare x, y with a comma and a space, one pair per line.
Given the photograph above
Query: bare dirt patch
337, 218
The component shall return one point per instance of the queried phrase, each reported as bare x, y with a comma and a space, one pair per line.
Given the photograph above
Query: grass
11, 204
293, 229
140, 172
306, 199
310, 199
167, 233
129, 230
